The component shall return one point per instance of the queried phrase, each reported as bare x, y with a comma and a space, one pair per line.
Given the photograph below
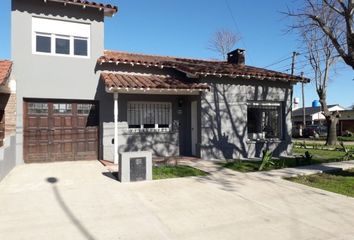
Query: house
346, 121
77, 101
313, 115
7, 118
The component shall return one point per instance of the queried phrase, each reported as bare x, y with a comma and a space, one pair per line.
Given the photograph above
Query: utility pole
293, 62
303, 101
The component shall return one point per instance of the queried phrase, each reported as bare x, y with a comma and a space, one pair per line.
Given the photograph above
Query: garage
60, 130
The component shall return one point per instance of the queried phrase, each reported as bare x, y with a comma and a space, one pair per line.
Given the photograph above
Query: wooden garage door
60, 131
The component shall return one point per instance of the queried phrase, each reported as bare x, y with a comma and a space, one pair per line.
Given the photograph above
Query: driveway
79, 200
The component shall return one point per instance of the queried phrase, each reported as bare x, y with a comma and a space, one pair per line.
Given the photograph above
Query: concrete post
116, 128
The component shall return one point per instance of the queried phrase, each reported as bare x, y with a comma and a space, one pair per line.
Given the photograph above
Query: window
61, 38
62, 45
264, 120
142, 115
85, 109
80, 46
37, 108
43, 43
62, 108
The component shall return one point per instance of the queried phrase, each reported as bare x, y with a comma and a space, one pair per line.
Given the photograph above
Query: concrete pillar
116, 128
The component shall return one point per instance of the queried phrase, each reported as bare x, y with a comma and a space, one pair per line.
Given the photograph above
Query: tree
322, 57
222, 42
338, 28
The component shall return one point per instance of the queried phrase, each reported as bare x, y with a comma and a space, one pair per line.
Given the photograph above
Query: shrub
266, 160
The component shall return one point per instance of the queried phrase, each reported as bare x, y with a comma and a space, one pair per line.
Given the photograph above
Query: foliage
163, 172
266, 160
341, 182
349, 153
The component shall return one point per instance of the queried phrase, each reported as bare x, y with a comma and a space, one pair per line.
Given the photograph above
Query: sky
183, 28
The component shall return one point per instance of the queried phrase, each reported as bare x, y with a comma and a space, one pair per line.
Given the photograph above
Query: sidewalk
306, 170
212, 167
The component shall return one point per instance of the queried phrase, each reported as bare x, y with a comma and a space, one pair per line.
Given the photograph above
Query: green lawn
341, 182
163, 172
319, 156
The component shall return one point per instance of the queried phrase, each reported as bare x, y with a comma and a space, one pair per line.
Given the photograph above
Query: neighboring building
7, 119
346, 121
76, 101
313, 115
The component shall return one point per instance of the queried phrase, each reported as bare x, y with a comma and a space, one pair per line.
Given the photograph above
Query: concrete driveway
79, 200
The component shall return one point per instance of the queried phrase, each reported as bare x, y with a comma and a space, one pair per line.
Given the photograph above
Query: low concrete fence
7, 156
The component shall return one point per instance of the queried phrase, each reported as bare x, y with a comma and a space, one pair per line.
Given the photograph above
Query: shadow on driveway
68, 212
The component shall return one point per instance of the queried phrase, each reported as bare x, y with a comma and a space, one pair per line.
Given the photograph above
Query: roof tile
118, 80
5, 70
197, 67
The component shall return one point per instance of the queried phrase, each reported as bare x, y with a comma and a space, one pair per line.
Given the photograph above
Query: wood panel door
60, 131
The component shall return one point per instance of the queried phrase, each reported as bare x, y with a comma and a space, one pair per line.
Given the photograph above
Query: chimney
236, 57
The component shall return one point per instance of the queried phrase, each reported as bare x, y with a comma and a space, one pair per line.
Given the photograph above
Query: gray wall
224, 118
174, 143
54, 77
7, 155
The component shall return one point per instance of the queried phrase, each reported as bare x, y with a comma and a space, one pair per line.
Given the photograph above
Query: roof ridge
164, 56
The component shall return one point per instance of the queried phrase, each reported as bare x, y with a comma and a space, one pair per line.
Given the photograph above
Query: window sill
270, 140
148, 130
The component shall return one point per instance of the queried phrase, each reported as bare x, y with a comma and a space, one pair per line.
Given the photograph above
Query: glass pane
80, 47
62, 108
37, 108
85, 109
43, 44
62, 46
263, 121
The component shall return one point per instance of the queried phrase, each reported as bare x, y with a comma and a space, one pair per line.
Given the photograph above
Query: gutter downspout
115, 127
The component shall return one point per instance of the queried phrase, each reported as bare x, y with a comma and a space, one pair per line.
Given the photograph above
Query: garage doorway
60, 130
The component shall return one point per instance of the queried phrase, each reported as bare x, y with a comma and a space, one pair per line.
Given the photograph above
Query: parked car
315, 131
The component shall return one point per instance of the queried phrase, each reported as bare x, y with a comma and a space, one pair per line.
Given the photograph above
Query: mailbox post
135, 166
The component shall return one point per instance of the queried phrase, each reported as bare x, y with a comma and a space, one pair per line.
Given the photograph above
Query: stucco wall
7, 155
171, 143
55, 77
224, 118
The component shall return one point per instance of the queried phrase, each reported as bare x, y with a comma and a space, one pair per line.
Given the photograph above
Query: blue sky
183, 28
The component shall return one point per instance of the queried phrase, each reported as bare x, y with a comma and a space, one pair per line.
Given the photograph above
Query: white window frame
156, 127
54, 28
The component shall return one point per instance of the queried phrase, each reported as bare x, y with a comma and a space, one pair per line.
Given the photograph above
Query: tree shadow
66, 209
224, 116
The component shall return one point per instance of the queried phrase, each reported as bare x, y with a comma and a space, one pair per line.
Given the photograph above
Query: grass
341, 182
346, 139
163, 172
319, 156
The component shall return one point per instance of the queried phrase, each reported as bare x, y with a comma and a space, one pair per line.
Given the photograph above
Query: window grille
143, 115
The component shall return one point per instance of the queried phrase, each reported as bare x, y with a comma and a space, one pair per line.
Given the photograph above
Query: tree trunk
332, 122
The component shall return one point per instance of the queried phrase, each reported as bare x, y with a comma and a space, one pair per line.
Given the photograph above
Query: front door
194, 127
60, 130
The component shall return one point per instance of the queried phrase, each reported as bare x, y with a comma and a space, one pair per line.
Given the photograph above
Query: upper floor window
61, 38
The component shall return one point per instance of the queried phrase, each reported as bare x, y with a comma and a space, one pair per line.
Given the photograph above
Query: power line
283, 60
236, 26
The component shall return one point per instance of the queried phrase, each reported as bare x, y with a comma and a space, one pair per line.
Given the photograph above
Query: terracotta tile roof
109, 10
5, 70
125, 81
197, 67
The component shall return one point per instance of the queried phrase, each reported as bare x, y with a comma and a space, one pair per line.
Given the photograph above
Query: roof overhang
150, 84
108, 10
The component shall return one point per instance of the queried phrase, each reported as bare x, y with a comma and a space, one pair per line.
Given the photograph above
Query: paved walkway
82, 200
